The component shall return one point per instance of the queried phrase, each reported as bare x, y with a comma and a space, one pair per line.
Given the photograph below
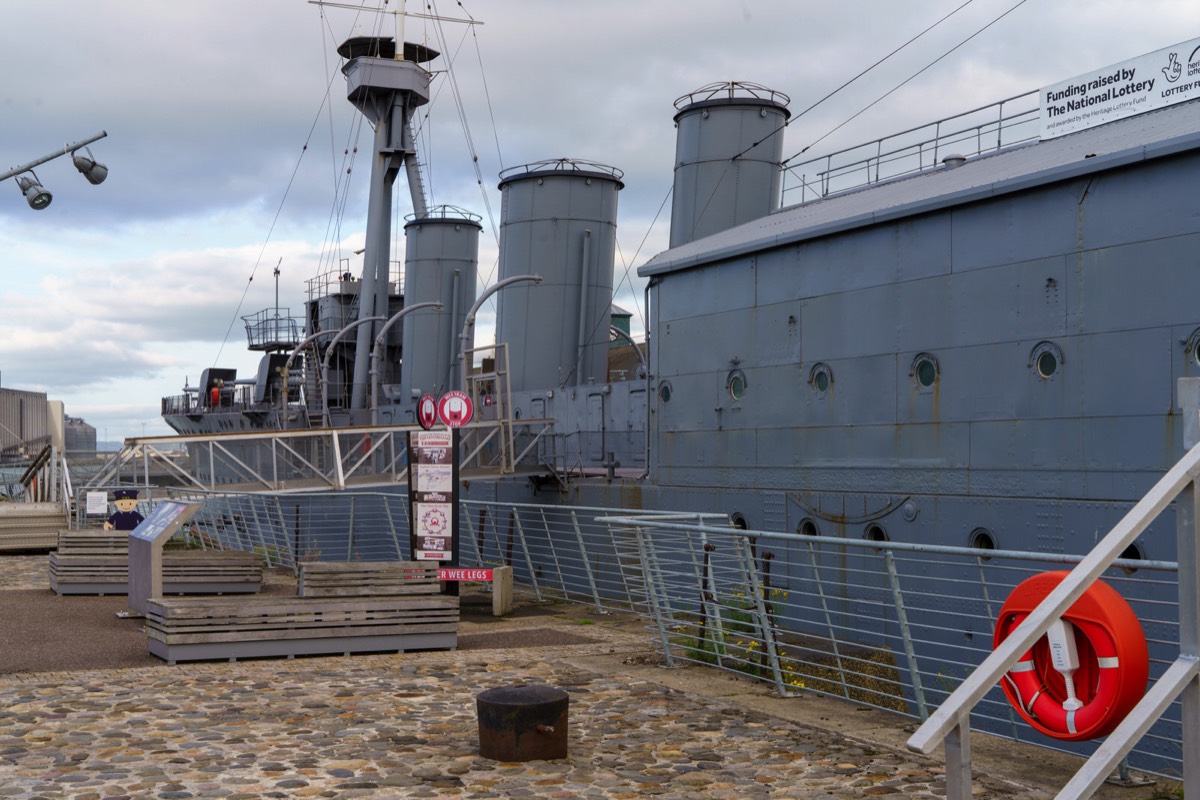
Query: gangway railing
950, 723
307, 459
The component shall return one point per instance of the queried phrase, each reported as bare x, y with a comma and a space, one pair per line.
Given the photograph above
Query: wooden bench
97, 562
30, 526
367, 578
337, 619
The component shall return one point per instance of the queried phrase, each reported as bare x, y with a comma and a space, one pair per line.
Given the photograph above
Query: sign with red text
455, 409
461, 574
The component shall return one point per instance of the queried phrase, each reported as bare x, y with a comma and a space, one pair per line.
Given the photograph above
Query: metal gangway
950, 723
310, 459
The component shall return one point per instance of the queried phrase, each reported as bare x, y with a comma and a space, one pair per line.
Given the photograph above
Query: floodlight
94, 171
35, 194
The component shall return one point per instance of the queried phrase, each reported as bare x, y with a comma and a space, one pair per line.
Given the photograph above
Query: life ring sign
1090, 669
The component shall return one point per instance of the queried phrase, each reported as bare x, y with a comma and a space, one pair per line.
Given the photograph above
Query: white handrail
950, 722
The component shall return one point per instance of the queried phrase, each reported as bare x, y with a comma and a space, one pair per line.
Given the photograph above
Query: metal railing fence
1174, 690
892, 625
988, 128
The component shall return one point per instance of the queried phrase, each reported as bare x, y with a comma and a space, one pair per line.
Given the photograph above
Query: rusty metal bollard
523, 722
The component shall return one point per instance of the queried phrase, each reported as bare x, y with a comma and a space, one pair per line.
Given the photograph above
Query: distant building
24, 424
619, 319
80, 437
29, 422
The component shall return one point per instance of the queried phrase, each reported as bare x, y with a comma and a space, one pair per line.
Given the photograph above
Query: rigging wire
462, 115
335, 215
898, 86
626, 278
852, 80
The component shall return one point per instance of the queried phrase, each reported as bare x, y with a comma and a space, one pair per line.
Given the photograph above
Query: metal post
764, 619
350, 532
337, 337
562, 582
258, 523
469, 322
833, 640
1188, 555
587, 565
471, 534
537, 592
958, 760
285, 538
376, 352
902, 619
710, 609
991, 615
645, 553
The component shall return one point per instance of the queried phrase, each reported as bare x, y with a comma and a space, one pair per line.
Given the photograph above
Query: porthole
1132, 553
924, 371
664, 392
1191, 347
820, 378
808, 528
1046, 359
735, 384
982, 539
738, 520
1047, 365
876, 533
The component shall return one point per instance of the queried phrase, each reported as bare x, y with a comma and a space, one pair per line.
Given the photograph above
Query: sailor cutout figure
126, 517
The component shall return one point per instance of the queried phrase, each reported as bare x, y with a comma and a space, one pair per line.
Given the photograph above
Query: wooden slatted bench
97, 562
206, 628
367, 578
30, 526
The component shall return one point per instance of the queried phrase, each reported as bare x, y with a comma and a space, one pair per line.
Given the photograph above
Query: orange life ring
1114, 662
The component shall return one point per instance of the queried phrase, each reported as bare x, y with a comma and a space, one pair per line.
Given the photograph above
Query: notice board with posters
433, 495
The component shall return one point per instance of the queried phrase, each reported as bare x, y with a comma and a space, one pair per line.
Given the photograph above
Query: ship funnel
558, 220
440, 264
728, 148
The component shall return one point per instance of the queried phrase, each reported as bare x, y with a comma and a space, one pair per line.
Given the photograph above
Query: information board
433, 495
145, 550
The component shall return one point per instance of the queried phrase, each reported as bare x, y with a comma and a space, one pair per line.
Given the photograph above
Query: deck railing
1006, 123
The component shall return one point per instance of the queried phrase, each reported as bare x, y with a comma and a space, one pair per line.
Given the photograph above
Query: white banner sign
1161, 78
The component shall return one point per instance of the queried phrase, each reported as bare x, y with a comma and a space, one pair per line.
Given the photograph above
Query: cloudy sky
228, 133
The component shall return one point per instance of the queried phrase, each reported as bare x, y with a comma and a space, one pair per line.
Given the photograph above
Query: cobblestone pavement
405, 726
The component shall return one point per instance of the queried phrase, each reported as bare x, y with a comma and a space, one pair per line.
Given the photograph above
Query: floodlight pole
68, 149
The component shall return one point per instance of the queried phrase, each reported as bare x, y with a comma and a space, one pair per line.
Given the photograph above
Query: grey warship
970, 338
